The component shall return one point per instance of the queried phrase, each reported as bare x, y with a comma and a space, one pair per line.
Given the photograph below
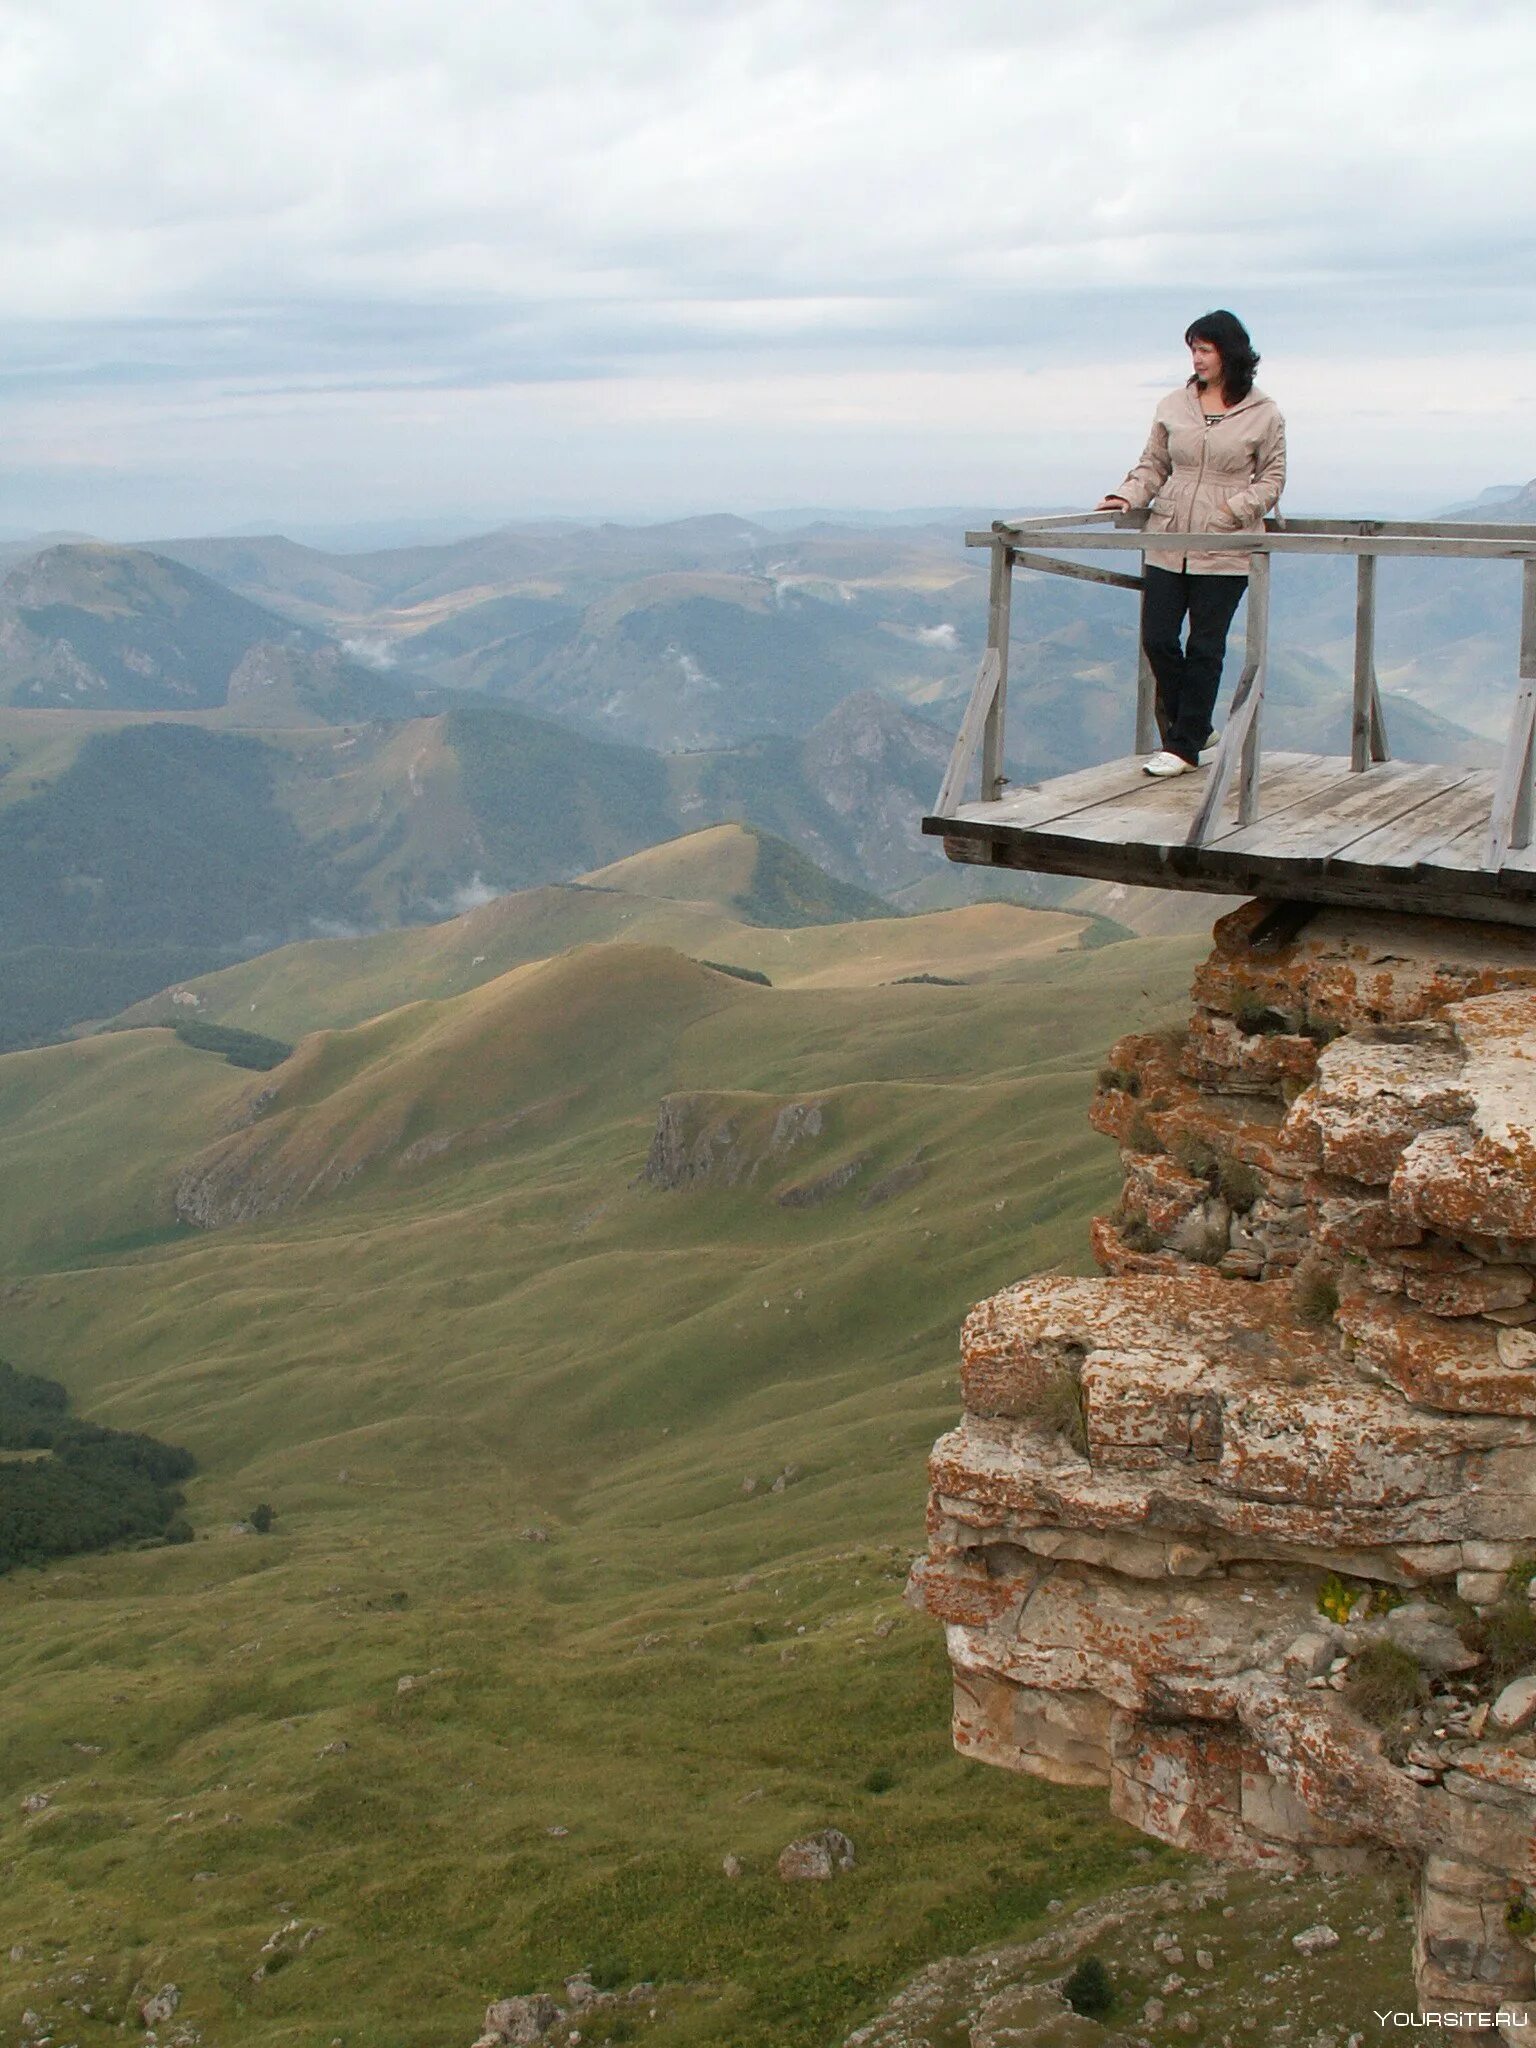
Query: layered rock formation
1245, 1530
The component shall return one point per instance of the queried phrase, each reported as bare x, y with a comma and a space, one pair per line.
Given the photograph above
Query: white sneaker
1166, 764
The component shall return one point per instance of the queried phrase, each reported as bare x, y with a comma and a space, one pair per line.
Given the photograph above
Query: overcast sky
297, 262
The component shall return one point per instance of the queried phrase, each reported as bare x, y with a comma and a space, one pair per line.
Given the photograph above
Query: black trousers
1188, 674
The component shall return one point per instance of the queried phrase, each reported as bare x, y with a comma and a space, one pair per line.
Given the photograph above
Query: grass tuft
1314, 1293
1136, 1233
1239, 1185
1088, 1989
1141, 1137
1061, 1409
1385, 1683
1505, 1636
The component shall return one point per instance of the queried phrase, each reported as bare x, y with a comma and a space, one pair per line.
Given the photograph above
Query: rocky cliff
1245, 1530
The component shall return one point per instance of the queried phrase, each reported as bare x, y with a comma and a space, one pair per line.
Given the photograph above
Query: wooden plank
1036, 803
1361, 529
1048, 565
968, 739
1520, 828
1415, 837
1288, 780
1458, 529
1158, 813
1342, 809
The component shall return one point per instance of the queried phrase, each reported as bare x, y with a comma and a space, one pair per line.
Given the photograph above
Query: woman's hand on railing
1112, 504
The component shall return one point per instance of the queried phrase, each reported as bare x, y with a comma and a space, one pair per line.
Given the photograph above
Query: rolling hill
85, 626
724, 894
136, 850
588, 1354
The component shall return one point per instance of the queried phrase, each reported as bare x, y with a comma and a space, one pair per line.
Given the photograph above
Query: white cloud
385, 222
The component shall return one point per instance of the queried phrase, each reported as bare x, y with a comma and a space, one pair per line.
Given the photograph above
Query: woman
1214, 463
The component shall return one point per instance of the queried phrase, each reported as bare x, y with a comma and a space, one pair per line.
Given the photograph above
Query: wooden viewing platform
1358, 828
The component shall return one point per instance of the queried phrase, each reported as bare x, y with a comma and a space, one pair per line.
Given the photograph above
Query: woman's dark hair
1239, 358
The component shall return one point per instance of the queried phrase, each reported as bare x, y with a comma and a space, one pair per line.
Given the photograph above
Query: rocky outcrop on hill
1245, 1531
726, 1140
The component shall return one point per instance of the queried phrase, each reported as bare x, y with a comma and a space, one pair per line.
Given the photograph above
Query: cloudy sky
306, 262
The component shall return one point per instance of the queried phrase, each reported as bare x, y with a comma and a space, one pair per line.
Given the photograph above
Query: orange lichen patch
1348, 968
1184, 1785
1125, 1529
1476, 1291
1111, 1251
1149, 1060
1373, 1097
1221, 1056
1502, 1767
1246, 1128
960, 1596
1312, 1478
1140, 1079
1469, 1186
1159, 1189
1450, 1365
1356, 1221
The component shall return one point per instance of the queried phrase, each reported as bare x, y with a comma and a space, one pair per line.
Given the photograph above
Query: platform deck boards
1402, 836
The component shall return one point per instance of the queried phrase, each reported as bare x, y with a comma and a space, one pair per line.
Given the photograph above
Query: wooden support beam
1049, 566
968, 739
999, 605
1246, 699
1258, 662
1310, 545
1362, 722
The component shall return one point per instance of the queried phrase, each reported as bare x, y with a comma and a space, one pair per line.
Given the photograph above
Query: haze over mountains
210, 747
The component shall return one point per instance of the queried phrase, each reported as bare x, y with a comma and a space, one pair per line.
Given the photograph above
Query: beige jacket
1220, 479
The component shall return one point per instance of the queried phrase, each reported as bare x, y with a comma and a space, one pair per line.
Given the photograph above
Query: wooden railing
1017, 543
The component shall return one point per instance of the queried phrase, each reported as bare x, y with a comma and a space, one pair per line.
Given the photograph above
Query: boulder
517, 2022
160, 2007
1315, 1941
1419, 1629
1515, 1707
817, 1856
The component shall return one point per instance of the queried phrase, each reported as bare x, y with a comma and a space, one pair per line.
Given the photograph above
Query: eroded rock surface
1244, 1532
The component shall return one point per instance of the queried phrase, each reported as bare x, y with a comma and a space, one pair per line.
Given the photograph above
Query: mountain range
211, 747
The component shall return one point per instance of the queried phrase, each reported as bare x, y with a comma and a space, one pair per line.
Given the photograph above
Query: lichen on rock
1306, 1367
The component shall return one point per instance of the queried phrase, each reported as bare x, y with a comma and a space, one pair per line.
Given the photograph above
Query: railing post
1520, 832
1509, 827
1149, 735
1362, 725
1258, 662
999, 605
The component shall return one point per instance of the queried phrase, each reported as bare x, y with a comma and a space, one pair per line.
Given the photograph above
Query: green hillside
88, 626
692, 894
620, 1465
136, 850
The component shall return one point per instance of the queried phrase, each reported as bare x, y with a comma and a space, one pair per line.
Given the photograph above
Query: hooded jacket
1208, 479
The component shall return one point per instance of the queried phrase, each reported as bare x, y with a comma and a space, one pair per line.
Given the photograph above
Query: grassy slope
522, 1337
683, 895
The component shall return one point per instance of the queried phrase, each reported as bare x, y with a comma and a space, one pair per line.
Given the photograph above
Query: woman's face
1206, 358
